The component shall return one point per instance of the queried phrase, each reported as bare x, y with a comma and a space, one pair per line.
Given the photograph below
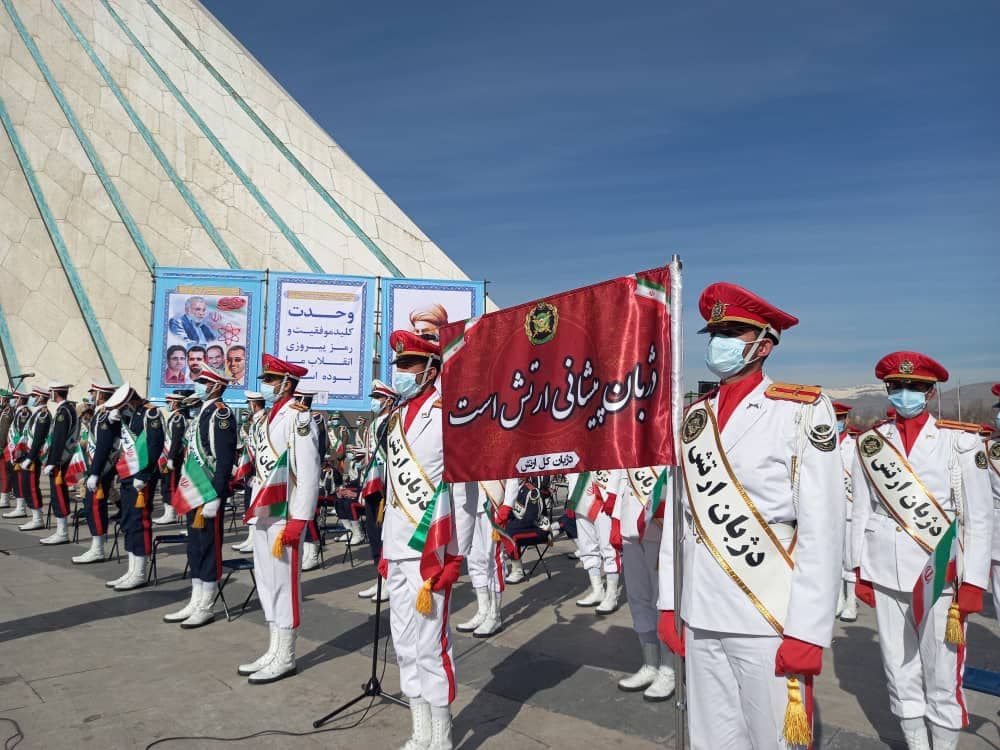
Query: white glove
114, 415
138, 484
91, 483
26, 463
210, 510
48, 469
170, 464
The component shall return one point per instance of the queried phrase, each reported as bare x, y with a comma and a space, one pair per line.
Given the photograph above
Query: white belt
783, 531
881, 510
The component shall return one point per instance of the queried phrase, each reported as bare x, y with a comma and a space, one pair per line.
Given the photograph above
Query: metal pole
676, 416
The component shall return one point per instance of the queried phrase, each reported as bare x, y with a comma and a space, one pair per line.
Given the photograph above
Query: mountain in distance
870, 402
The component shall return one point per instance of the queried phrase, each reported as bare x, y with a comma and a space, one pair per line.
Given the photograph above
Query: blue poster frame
165, 282
359, 400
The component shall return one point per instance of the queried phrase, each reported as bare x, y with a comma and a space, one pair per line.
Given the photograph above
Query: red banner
575, 382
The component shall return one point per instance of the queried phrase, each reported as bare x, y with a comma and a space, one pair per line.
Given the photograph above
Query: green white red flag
194, 488
245, 467
434, 537
939, 572
135, 454
654, 503
585, 500
272, 497
77, 465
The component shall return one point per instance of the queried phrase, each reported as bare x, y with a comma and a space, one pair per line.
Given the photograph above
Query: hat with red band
910, 366
212, 376
996, 392
121, 396
102, 387
409, 344
840, 408
723, 302
37, 391
271, 365
381, 389
178, 395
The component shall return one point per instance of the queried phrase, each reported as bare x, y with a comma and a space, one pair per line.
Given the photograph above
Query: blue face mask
908, 403
841, 426
725, 355
32, 402
269, 393
405, 384
998, 420
376, 405
201, 391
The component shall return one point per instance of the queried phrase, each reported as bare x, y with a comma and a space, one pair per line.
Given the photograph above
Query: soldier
100, 454
139, 471
63, 440
256, 412
372, 442
847, 602
638, 542
37, 432
286, 458
211, 441
912, 478
414, 468
339, 437
174, 436
993, 455
599, 558
484, 558
763, 537
6, 469
16, 440
302, 401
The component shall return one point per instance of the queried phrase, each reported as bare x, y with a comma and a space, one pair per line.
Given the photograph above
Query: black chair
171, 538
539, 542
231, 566
115, 552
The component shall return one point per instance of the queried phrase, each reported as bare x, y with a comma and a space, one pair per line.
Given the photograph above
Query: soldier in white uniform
372, 440
993, 455
911, 477
414, 468
763, 536
290, 431
256, 413
637, 538
601, 561
485, 559
847, 602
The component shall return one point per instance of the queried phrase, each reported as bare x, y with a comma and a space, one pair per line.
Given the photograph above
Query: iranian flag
76, 467
245, 467
647, 287
654, 503
585, 500
194, 488
434, 534
272, 498
939, 571
135, 454
374, 481
18, 444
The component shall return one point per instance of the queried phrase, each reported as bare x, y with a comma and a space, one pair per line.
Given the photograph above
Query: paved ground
84, 667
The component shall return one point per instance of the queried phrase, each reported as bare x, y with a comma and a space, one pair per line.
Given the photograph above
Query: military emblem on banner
541, 322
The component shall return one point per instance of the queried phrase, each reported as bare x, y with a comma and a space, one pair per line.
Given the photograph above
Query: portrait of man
214, 357
236, 363
195, 360
192, 327
176, 372
426, 321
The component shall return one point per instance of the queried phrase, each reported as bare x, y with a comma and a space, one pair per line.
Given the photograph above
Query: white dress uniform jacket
760, 440
290, 427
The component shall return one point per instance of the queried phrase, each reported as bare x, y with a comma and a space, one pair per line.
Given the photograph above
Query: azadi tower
140, 133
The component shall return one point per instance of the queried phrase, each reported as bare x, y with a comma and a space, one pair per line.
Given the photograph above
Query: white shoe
639, 681
662, 687
369, 592
440, 729
126, 574
596, 595
248, 542
420, 715
944, 738
492, 623
357, 533
169, 516
35, 523
850, 611
60, 536
185, 612
516, 574
204, 608
19, 509
283, 663
483, 604
310, 556
610, 601
92, 555
246, 670
385, 595
5, 498
915, 734
137, 579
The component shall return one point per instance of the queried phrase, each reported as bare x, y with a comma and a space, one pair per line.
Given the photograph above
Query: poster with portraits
206, 317
326, 324
423, 306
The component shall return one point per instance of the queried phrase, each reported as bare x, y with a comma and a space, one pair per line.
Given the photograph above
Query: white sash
728, 522
264, 457
642, 482
900, 490
493, 489
411, 489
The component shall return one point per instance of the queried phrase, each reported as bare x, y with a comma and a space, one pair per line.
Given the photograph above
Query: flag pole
676, 415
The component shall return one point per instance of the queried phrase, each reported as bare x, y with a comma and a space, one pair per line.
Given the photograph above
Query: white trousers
641, 580
278, 585
735, 701
923, 671
422, 644
995, 578
484, 560
848, 571
594, 542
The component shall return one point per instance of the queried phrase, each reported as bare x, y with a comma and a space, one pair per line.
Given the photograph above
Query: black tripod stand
372, 688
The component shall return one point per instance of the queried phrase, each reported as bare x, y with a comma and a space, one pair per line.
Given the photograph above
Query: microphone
24, 375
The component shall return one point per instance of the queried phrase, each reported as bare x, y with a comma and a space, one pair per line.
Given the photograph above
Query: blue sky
840, 158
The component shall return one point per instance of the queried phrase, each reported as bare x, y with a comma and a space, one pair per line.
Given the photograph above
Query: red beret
210, 375
996, 389
723, 302
910, 366
271, 365
839, 408
409, 344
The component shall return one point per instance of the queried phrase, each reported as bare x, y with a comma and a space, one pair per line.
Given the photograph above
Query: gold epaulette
800, 394
298, 407
436, 404
220, 405
952, 424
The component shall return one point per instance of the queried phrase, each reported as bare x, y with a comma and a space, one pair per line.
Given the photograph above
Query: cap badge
718, 310
906, 367
541, 322
399, 347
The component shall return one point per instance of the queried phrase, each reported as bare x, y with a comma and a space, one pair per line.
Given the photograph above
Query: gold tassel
425, 602
381, 511
140, 499
496, 536
59, 477
199, 519
797, 730
953, 632
278, 548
